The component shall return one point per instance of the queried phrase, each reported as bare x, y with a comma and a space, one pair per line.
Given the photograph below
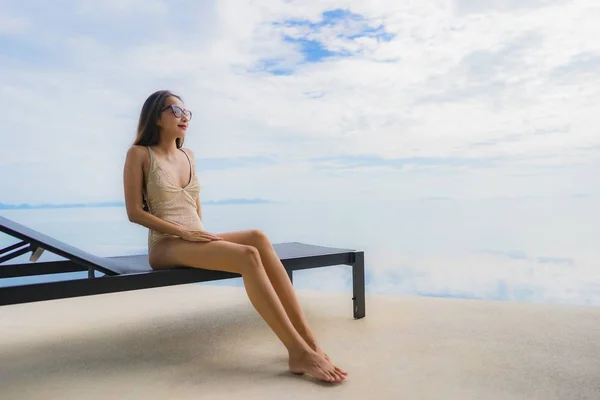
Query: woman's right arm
133, 181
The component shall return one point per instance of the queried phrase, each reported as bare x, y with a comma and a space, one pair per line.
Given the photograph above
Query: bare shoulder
137, 153
188, 151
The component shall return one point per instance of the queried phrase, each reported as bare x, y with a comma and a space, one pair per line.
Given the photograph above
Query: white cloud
11, 25
474, 6
457, 80
486, 276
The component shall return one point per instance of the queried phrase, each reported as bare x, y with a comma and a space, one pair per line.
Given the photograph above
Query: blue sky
434, 99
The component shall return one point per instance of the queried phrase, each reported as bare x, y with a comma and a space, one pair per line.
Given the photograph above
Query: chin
178, 134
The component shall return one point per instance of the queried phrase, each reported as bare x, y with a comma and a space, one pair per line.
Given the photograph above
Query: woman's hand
199, 236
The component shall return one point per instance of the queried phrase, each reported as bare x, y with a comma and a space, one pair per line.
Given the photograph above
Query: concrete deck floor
207, 342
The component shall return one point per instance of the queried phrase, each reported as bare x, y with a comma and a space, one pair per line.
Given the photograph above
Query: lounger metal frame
303, 257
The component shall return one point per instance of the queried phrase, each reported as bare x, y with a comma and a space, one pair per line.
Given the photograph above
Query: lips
183, 126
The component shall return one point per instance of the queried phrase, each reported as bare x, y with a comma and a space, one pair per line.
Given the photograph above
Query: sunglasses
178, 111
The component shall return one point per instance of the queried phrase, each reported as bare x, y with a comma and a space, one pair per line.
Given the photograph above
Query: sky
306, 100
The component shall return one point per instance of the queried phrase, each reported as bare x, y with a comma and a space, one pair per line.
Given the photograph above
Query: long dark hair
147, 130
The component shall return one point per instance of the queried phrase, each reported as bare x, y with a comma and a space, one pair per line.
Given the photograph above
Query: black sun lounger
124, 273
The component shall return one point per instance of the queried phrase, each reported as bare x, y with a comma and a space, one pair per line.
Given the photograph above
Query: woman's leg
280, 280
245, 260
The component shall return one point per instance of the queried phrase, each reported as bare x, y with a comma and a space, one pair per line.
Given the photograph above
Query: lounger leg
358, 284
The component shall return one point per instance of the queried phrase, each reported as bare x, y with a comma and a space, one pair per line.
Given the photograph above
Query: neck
168, 146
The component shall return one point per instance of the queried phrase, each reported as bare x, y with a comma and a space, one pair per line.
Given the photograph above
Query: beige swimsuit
169, 201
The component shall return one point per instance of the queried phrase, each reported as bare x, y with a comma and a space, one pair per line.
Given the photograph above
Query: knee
251, 257
259, 237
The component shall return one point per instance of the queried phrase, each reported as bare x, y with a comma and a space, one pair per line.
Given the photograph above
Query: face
174, 118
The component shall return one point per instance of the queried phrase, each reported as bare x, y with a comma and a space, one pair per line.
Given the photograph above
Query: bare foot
316, 366
320, 351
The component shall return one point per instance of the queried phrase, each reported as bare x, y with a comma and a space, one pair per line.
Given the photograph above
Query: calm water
542, 250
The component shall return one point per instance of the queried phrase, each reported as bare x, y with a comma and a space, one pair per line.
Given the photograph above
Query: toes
334, 378
328, 375
337, 376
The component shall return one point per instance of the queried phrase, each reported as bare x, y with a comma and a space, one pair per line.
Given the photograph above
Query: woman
162, 194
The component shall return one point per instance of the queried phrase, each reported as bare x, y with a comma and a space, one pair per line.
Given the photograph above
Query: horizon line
27, 206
